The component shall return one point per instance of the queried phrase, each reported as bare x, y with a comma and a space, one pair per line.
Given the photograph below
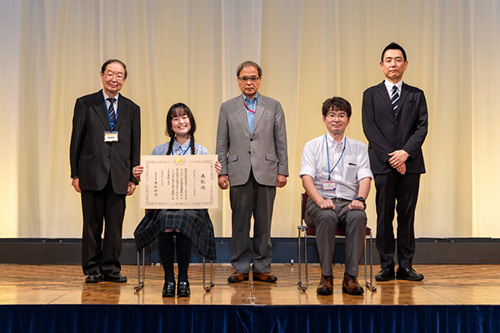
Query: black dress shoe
115, 277
93, 278
183, 289
408, 274
168, 289
385, 274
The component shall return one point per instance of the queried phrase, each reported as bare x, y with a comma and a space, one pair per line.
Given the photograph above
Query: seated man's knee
357, 217
325, 218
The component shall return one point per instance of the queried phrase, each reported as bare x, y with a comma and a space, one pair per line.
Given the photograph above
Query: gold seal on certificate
179, 182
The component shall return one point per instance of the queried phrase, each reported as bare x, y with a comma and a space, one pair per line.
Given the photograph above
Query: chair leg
306, 261
301, 286
208, 287
367, 284
140, 281
370, 285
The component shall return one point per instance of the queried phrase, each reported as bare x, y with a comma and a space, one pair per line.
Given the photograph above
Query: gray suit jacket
264, 151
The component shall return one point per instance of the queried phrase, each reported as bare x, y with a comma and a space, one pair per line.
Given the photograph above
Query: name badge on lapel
111, 136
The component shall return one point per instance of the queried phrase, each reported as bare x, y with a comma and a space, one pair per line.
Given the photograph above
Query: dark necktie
112, 112
394, 99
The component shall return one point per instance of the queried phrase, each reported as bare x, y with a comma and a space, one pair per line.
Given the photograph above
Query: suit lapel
404, 94
261, 106
242, 113
100, 109
122, 111
385, 96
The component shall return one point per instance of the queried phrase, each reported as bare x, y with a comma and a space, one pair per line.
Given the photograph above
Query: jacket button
249, 152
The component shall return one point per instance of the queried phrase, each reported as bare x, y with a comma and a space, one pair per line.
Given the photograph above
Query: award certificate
179, 182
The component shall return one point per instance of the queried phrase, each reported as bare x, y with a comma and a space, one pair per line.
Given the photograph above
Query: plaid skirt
194, 223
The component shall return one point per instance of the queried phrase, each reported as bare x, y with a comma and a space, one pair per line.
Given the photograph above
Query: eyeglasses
339, 115
249, 78
119, 76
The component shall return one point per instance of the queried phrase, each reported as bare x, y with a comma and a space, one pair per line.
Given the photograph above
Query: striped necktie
112, 112
394, 99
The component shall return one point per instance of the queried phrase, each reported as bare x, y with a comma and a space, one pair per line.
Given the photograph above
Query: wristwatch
362, 200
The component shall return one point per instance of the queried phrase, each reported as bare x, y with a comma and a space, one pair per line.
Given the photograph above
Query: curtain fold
187, 51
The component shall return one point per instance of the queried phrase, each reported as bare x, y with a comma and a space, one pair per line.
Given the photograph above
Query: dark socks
166, 249
183, 248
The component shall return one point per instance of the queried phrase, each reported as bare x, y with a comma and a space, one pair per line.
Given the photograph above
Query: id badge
111, 136
329, 186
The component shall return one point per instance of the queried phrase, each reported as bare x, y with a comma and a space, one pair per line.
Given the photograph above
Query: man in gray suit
252, 149
105, 146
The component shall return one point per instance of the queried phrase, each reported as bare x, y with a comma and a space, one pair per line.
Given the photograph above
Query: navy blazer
387, 132
92, 160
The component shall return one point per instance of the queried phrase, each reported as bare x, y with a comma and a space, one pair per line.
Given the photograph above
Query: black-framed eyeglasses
249, 78
339, 115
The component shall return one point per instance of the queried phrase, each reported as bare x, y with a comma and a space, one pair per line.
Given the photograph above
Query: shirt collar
184, 146
254, 100
331, 141
106, 96
389, 85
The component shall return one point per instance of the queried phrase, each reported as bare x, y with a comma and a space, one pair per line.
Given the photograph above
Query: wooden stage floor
64, 284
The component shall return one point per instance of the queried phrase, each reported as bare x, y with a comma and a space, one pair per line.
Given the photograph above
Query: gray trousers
247, 200
325, 221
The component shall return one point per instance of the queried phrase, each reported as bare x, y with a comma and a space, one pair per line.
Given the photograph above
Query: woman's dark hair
177, 110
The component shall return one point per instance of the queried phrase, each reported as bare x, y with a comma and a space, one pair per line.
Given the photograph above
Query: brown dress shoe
237, 277
325, 285
264, 277
351, 286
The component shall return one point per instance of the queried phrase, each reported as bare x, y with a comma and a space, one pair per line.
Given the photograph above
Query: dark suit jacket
93, 161
387, 133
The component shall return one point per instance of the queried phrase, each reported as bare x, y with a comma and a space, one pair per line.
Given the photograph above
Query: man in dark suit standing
252, 149
105, 146
395, 124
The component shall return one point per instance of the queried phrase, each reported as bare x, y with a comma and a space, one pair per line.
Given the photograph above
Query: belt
339, 199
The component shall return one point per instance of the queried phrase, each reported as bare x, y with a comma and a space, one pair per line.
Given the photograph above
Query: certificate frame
179, 182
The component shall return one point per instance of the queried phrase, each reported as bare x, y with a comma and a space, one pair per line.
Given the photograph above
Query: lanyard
185, 151
246, 107
328, 157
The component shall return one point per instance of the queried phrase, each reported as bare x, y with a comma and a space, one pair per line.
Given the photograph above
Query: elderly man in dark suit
105, 146
395, 124
252, 149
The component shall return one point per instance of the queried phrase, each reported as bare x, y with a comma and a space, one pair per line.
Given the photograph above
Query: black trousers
106, 209
396, 192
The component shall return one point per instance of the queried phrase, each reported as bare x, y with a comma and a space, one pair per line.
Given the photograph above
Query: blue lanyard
328, 157
185, 151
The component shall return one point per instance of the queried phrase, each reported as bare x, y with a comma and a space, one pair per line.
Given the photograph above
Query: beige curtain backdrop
188, 51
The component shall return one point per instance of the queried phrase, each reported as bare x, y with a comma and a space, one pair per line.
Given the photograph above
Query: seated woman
186, 225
